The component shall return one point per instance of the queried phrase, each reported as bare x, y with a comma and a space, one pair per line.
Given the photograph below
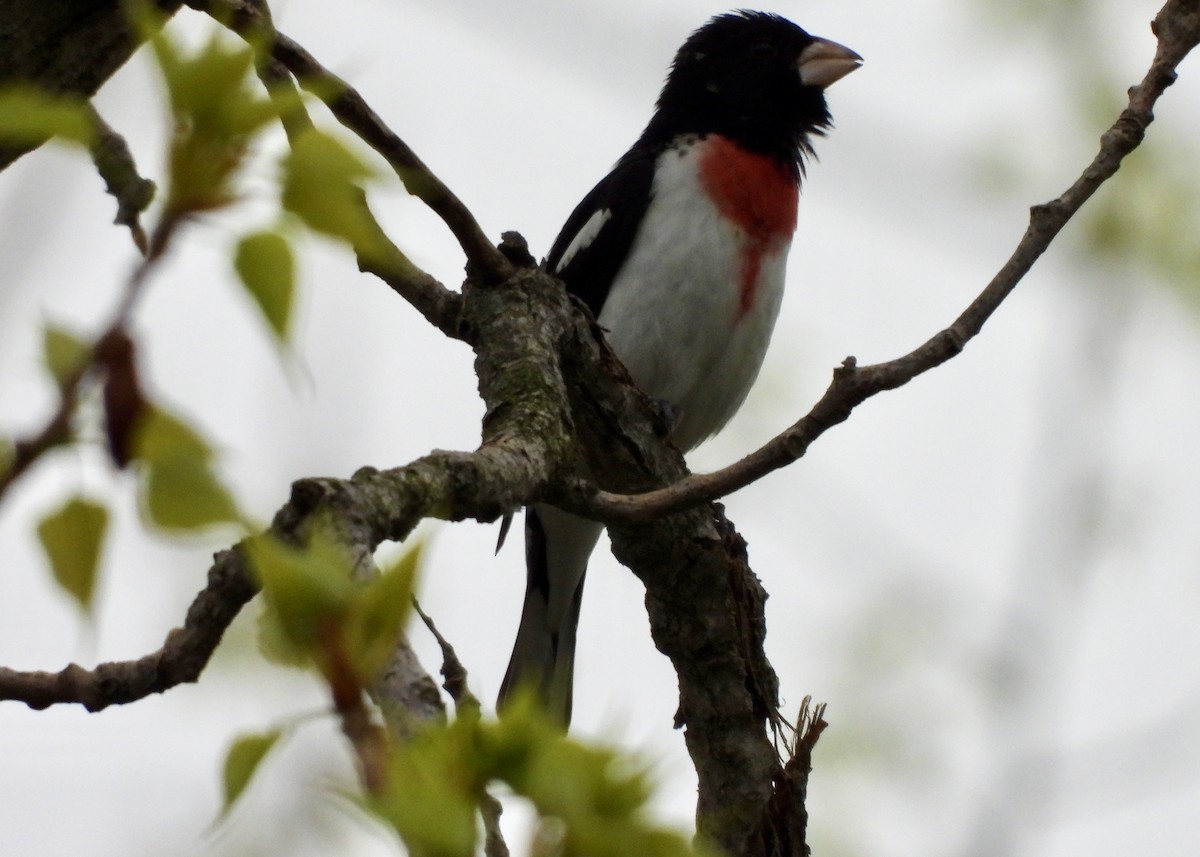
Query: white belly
677, 315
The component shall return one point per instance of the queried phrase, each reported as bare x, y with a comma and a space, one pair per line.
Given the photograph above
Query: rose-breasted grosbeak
680, 252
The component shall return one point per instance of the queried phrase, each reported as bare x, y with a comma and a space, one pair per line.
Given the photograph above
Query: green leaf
570, 780
72, 538
430, 799
321, 186
200, 87
64, 353
29, 116
264, 263
307, 591
274, 643
594, 795
161, 436
245, 755
179, 490
598, 795
216, 113
211, 90
378, 613
182, 493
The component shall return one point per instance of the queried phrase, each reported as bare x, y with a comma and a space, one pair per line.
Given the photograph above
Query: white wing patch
584, 237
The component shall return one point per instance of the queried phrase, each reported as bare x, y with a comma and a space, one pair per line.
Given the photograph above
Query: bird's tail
557, 547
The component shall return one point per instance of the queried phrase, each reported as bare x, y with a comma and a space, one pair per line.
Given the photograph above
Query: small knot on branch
515, 249
307, 496
1045, 211
847, 370
955, 341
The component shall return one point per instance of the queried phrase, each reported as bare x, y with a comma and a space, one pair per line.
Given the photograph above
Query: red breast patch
756, 193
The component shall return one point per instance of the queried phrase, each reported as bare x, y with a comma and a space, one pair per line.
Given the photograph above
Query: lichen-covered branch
526, 435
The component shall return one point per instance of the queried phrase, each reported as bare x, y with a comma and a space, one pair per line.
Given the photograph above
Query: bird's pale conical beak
824, 62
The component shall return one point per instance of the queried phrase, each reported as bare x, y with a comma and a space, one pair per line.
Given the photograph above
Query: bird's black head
754, 77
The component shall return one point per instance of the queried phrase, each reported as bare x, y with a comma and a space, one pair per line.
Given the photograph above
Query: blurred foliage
28, 116
216, 112
179, 490
241, 761
315, 613
321, 186
1148, 221
592, 798
73, 537
1144, 222
266, 267
435, 782
64, 353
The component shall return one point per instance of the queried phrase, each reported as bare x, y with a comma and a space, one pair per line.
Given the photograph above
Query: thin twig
251, 19
493, 842
1178, 29
367, 738
454, 674
352, 110
57, 429
114, 162
182, 657
372, 506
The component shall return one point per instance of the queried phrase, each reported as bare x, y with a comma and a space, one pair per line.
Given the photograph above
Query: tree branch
454, 674
181, 659
1178, 29
527, 437
455, 683
252, 20
247, 18
114, 162
441, 307
349, 107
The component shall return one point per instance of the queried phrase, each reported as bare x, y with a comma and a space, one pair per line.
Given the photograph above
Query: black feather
590, 272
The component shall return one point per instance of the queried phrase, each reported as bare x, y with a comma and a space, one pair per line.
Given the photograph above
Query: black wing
588, 266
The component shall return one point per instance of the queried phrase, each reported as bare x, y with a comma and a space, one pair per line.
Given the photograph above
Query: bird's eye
762, 50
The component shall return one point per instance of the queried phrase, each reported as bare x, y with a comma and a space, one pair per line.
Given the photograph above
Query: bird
679, 253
